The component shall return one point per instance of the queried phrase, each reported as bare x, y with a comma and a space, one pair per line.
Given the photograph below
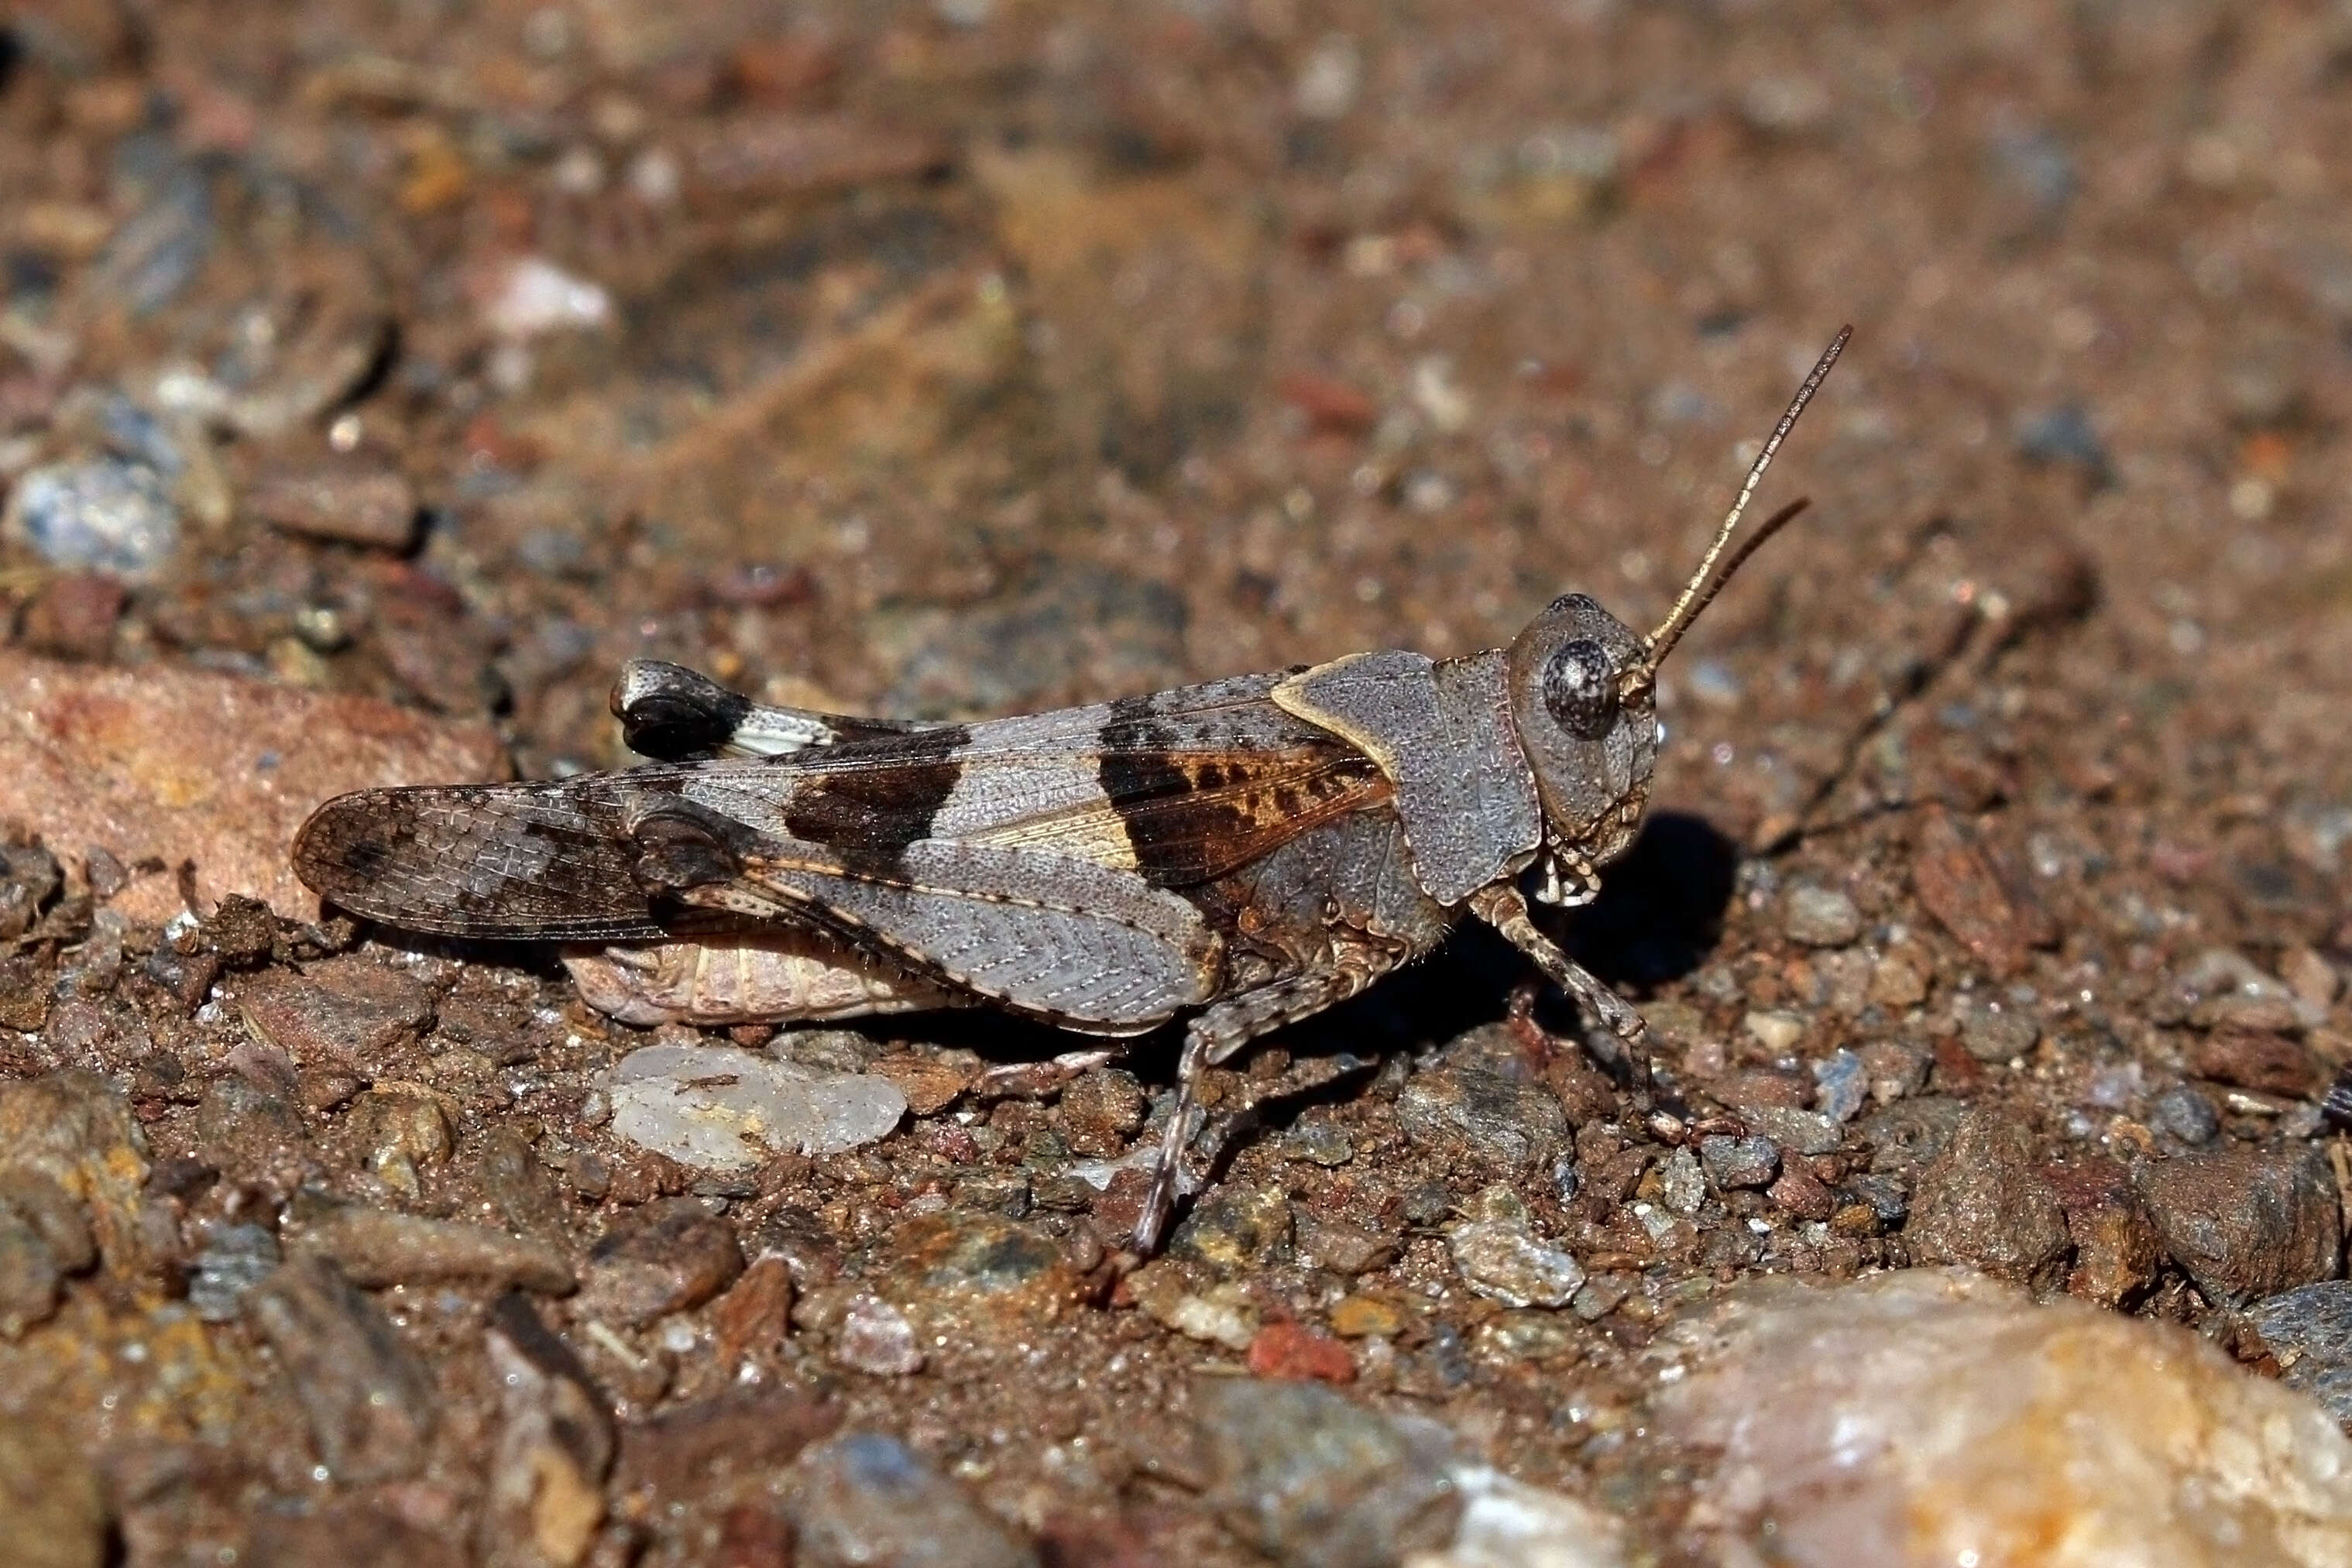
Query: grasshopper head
1583, 684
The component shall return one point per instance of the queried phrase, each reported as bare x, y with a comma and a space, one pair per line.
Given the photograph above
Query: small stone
369, 1399
74, 1133
1313, 1480
995, 1189
1998, 1033
2308, 1331
1683, 1182
864, 1499
375, 1247
1749, 1162
1953, 880
74, 617
1841, 1085
1896, 1068
1482, 1117
2186, 1114
233, 1261
717, 1109
1800, 1195
361, 1016
107, 513
1341, 1246
1895, 983
356, 501
967, 1275
2243, 1222
1777, 1032
752, 1431
755, 1314
1987, 1419
32, 1279
1319, 1142
2116, 1250
1820, 916
1499, 1256
1601, 1295
931, 1081
1984, 1203
1797, 1131
877, 1339
1294, 1351
1238, 1228
2311, 978
1100, 1111
399, 1131
2262, 1060
1364, 1317
50, 1498
666, 1258
555, 1441
246, 1130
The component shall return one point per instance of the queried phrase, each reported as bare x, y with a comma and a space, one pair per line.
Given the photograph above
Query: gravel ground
375, 378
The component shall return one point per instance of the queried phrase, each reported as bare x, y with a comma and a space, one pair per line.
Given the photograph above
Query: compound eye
1579, 688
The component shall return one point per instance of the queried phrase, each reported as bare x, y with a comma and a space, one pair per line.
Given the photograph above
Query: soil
969, 358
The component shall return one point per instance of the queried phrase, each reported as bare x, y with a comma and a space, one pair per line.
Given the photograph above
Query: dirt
961, 359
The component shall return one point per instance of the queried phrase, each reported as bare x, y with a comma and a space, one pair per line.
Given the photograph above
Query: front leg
1501, 906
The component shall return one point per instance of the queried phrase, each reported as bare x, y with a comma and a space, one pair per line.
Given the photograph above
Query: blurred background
972, 356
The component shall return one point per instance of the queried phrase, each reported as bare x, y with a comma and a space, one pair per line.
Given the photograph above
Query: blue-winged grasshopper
1240, 854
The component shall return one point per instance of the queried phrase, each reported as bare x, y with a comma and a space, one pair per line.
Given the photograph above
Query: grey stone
369, 1399
2186, 1116
1841, 1085
1486, 1117
234, 1260
1499, 1254
1820, 916
868, 1500
1799, 1132
1314, 1480
1739, 1162
1684, 1183
377, 1246
2309, 1330
102, 515
1997, 1032
2246, 1223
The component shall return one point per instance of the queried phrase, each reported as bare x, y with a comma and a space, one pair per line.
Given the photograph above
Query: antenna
1705, 582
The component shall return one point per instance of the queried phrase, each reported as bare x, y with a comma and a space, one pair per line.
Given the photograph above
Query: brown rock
1957, 883
73, 616
376, 1247
666, 1258
49, 1498
178, 765
754, 1315
2245, 1223
750, 1432
931, 1082
369, 1399
2117, 1249
354, 1019
1983, 1202
2262, 1060
1801, 1194
554, 1449
359, 501
74, 1132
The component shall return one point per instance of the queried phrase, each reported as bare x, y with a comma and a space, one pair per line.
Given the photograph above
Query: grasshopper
1244, 853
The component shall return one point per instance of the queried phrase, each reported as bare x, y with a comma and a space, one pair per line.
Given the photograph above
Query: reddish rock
1957, 883
2258, 1059
166, 765
1294, 1351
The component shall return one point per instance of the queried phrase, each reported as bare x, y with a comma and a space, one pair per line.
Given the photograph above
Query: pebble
2308, 1331
1798, 1131
1749, 1162
74, 1132
1294, 1351
358, 502
716, 1109
2262, 1060
376, 1247
75, 616
1314, 1480
1984, 1202
30, 878
50, 1498
1365, 1317
1498, 1255
1777, 1032
1237, 1229
369, 1400
2186, 1114
1896, 983
755, 1314
1684, 1184
1507, 1523
1958, 888
1179, 1296
1482, 1117
1099, 1111
1340, 1245
970, 1274
751, 1430
665, 1258
2245, 1222
1997, 1033
1841, 1085
177, 764
233, 1261
555, 1440
361, 1013
865, 1500
877, 1339
2117, 1249
1820, 916
1319, 1142
1930, 1415
105, 514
